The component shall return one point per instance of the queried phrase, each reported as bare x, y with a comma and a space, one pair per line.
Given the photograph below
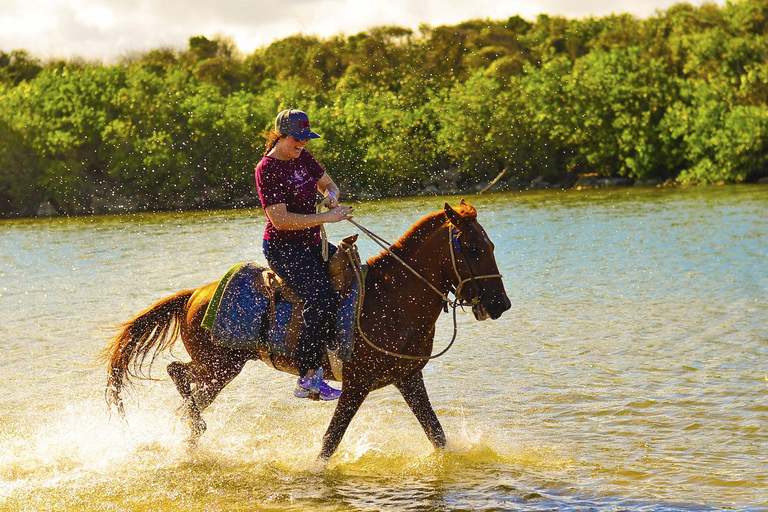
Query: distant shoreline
248, 202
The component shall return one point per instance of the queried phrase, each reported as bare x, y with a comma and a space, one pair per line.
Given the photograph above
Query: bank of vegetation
680, 97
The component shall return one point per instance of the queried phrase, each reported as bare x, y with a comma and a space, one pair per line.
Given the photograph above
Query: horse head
479, 280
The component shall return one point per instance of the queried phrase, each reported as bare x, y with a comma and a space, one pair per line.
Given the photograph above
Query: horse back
198, 303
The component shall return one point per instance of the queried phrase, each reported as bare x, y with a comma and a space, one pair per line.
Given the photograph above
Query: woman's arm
283, 220
327, 187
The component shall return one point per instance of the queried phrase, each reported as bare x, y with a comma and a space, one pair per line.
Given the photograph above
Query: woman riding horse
406, 289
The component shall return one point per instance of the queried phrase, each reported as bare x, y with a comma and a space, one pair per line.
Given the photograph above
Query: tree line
681, 95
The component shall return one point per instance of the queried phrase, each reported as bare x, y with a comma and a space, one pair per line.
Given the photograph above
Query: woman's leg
305, 273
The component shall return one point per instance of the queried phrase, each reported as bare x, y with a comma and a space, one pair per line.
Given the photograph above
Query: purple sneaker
315, 387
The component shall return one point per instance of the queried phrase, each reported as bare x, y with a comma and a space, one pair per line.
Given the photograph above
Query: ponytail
272, 138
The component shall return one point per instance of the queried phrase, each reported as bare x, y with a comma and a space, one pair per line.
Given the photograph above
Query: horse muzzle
492, 309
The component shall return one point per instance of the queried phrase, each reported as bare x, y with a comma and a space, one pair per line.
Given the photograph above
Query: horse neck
425, 249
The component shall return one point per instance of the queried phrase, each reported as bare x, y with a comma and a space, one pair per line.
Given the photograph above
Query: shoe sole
316, 396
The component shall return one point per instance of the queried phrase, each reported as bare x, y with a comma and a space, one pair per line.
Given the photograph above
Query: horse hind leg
200, 385
180, 374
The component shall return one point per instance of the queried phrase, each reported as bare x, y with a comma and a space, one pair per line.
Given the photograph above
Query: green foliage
19, 168
681, 95
17, 66
486, 127
57, 118
376, 138
606, 108
726, 141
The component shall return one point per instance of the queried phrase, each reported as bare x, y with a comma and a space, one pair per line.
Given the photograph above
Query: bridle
454, 245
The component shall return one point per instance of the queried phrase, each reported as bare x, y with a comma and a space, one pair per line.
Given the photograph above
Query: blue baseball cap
294, 123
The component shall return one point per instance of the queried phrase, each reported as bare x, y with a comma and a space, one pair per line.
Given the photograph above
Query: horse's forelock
466, 210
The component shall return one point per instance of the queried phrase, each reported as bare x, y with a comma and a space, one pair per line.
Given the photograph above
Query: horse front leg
349, 402
415, 393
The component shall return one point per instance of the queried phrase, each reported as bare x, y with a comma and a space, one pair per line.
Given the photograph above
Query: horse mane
423, 228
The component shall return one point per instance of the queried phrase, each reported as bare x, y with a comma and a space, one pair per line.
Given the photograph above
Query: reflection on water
629, 373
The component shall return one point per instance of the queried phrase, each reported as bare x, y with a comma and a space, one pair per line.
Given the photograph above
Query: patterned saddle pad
241, 316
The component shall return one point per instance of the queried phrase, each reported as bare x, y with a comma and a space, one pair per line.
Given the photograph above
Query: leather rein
454, 246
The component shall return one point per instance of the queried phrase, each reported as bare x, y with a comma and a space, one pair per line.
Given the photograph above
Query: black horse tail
152, 331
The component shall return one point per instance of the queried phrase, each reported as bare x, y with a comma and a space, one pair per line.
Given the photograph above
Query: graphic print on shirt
300, 186
299, 179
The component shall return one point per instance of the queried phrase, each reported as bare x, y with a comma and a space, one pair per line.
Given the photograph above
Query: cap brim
305, 134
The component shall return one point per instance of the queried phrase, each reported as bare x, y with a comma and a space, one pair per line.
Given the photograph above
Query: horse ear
453, 216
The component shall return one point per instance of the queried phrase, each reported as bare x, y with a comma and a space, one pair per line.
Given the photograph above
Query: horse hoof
196, 430
192, 443
197, 426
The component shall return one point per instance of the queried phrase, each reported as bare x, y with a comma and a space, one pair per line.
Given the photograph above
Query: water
629, 374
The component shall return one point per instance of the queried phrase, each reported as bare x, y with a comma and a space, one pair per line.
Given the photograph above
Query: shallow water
629, 374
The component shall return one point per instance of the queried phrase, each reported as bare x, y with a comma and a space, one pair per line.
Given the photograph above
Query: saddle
252, 308
341, 270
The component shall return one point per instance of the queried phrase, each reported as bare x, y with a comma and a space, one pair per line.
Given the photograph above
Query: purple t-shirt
293, 183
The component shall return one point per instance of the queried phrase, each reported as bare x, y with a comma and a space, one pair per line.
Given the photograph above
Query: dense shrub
682, 95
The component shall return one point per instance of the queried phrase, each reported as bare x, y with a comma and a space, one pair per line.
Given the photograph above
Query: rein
453, 243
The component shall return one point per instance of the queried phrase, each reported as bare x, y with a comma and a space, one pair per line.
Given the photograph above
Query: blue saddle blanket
238, 315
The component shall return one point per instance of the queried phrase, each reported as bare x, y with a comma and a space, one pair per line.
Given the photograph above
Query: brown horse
445, 251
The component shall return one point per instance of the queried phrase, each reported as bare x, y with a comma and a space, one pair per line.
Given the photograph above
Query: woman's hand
284, 220
339, 213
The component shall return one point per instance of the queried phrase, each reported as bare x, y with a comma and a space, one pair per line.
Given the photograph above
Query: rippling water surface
630, 373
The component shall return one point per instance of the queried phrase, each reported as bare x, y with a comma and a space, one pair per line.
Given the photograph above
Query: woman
288, 178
